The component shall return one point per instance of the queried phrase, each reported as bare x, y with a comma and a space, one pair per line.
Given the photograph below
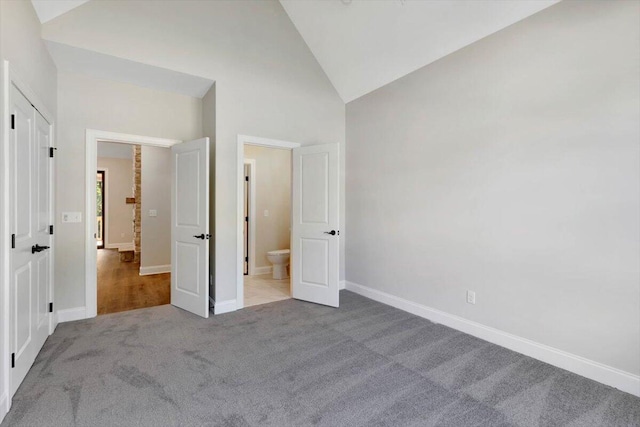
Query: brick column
137, 185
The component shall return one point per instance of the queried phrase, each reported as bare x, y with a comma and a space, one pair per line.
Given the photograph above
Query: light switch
71, 216
153, 212
266, 212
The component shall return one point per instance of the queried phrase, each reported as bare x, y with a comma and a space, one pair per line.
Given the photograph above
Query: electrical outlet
153, 212
471, 297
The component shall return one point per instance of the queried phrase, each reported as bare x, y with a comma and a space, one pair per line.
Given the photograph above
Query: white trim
224, 307
596, 371
266, 142
155, 269
263, 142
53, 319
5, 262
91, 163
262, 270
124, 246
105, 208
4, 406
72, 314
252, 215
14, 76
342, 285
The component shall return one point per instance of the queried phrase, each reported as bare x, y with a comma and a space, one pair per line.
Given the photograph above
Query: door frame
251, 269
92, 137
105, 189
13, 76
262, 142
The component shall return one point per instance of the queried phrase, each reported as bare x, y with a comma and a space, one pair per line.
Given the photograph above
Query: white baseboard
342, 285
222, 307
126, 246
262, 270
4, 406
71, 314
596, 371
155, 269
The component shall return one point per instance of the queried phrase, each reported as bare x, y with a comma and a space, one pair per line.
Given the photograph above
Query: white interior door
30, 220
190, 226
315, 235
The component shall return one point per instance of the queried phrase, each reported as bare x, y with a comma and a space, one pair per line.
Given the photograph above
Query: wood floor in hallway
121, 288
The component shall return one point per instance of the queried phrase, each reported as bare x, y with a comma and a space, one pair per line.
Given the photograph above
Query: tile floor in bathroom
263, 289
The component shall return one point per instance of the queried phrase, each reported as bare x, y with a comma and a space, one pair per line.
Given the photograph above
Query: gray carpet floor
292, 363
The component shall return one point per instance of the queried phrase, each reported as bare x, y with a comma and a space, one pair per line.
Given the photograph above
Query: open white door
190, 226
315, 235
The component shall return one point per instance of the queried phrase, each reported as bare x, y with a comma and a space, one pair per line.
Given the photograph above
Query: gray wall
155, 242
89, 103
511, 168
268, 84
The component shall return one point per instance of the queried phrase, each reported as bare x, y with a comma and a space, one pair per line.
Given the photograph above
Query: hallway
121, 288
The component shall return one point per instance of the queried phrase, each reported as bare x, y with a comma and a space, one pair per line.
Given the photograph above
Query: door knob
203, 236
332, 232
37, 248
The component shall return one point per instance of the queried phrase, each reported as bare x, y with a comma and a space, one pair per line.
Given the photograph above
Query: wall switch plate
71, 216
266, 212
153, 212
471, 297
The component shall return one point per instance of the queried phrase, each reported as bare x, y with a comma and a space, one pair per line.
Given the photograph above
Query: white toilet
280, 260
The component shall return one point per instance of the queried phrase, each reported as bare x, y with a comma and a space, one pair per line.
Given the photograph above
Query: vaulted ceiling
49, 9
363, 44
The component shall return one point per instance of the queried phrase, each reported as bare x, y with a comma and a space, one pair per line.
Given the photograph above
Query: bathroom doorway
266, 224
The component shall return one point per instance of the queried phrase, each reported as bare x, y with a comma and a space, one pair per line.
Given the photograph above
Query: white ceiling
68, 58
49, 9
363, 44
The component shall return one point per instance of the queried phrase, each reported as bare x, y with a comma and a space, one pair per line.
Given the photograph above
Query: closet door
30, 209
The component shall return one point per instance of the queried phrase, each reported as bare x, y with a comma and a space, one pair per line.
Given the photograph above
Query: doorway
100, 208
314, 225
247, 229
267, 224
104, 266
133, 227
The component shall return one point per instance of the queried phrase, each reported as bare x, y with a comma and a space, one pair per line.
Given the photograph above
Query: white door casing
92, 136
190, 226
43, 231
315, 236
30, 219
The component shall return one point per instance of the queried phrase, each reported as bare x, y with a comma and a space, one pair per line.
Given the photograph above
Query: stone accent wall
137, 193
